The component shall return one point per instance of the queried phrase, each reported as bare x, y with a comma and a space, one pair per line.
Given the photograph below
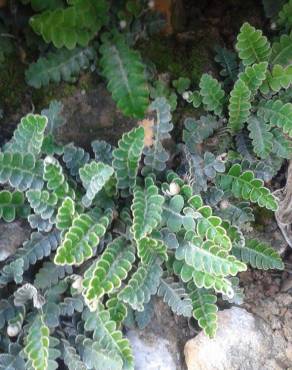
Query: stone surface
93, 115
12, 236
243, 342
152, 352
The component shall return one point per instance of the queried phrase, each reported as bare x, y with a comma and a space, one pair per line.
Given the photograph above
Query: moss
179, 59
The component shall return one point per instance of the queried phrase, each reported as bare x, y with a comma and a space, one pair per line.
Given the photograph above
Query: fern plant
110, 233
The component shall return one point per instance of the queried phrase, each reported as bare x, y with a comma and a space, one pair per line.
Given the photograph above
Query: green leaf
175, 296
239, 106
204, 309
29, 135
252, 46
49, 274
212, 94
259, 255
282, 50
109, 271
285, 15
94, 176
61, 65
76, 24
127, 157
65, 214
254, 75
245, 185
262, 138
75, 158
228, 61
12, 205
146, 209
150, 249
282, 147
277, 114
280, 78
81, 238
42, 202
142, 285
71, 358
124, 71
21, 171
117, 309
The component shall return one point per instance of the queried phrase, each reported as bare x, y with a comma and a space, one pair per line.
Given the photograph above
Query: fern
280, 78
282, 50
156, 155
127, 157
146, 209
117, 310
49, 274
21, 171
262, 138
125, 74
65, 214
258, 255
175, 296
252, 46
227, 59
94, 176
39, 5
239, 106
285, 15
108, 337
12, 205
80, 239
277, 114
142, 285
29, 135
212, 94
254, 75
245, 185
61, 65
109, 271
102, 151
150, 249
74, 158
204, 309
42, 202
76, 24
281, 146
71, 358
39, 347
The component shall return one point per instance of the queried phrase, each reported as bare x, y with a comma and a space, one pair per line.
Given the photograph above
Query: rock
12, 236
91, 116
243, 341
151, 352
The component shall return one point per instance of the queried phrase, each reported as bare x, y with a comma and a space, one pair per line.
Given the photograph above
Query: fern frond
280, 78
204, 309
252, 46
142, 285
239, 106
127, 157
227, 59
254, 75
259, 255
282, 147
49, 274
26, 293
110, 270
117, 309
12, 205
150, 249
21, 171
71, 305
42, 202
15, 323
175, 296
94, 176
108, 337
84, 235
74, 158
39, 348
277, 114
71, 358
65, 214
245, 185
29, 135
53, 175
262, 138
285, 15
102, 151
36, 222
146, 209
76, 24
143, 318
125, 73
282, 50
212, 94
61, 65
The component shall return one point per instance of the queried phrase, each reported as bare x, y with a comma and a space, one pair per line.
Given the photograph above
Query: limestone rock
243, 341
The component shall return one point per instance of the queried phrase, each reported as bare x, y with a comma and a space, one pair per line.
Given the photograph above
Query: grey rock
243, 342
151, 352
12, 236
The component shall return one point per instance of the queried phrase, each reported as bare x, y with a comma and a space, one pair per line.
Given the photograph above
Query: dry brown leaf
147, 124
